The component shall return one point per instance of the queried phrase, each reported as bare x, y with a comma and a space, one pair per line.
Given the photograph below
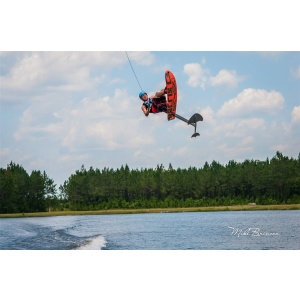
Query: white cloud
183, 151
249, 140
5, 151
106, 123
8, 154
75, 116
253, 101
235, 150
280, 147
208, 115
73, 157
197, 75
296, 114
225, 77
238, 128
36, 73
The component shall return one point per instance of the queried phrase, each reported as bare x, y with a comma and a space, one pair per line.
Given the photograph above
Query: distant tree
14, 189
265, 182
20, 192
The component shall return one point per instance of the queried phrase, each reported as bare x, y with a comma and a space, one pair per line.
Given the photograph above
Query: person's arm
145, 110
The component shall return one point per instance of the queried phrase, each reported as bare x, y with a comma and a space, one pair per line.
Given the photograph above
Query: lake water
239, 230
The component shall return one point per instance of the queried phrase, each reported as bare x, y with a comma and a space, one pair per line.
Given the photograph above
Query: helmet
141, 94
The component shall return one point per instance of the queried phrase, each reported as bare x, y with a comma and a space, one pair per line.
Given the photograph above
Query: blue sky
61, 110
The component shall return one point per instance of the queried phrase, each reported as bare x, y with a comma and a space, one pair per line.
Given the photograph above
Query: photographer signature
251, 232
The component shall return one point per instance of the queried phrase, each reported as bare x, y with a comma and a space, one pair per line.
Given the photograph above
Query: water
245, 230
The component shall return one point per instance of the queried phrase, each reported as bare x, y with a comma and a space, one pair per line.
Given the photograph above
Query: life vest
156, 105
148, 104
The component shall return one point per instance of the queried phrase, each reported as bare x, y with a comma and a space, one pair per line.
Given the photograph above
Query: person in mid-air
154, 104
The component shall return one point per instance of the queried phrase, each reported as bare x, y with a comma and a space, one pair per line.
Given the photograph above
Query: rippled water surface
196, 230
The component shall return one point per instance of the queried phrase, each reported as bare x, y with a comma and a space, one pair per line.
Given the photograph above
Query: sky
64, 109
69, 97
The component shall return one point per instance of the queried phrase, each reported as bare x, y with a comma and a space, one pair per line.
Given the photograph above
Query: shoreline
155, 210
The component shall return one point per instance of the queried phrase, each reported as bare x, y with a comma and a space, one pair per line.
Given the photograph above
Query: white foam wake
95, 243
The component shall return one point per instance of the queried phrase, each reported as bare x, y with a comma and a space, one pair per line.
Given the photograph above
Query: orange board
171, 87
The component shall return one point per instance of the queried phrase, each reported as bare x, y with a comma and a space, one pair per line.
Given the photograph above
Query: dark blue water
253, 230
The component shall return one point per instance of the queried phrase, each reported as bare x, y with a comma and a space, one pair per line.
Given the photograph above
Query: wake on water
94, 243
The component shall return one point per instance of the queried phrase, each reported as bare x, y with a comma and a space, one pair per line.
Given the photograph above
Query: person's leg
160, 93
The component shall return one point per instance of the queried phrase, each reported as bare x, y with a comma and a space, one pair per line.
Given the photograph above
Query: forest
273, 181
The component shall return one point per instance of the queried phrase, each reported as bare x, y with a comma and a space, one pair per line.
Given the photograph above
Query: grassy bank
155, 210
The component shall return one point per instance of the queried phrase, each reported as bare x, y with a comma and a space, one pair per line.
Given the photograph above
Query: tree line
274, 181
21, 192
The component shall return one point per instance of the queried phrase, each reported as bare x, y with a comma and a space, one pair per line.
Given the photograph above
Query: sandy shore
155, 210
